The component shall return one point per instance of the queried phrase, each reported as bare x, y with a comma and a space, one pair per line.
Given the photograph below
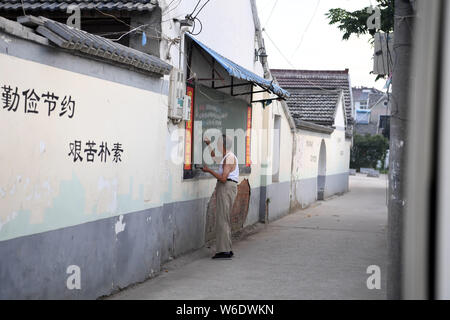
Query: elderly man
226, 190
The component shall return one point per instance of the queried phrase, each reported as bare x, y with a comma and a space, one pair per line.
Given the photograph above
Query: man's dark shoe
223, 255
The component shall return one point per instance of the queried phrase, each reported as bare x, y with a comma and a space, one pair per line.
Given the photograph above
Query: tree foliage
355, 22
368, 150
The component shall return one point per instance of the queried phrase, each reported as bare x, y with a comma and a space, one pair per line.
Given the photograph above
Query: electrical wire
126, 33
201, 8
278, 49
170, 3
193, 27
112, 16
198, 88
190, 15
271, 12
178, 45
106, 34
136, 29
306, 29
292, 65
23, 8
176, 6
194, 18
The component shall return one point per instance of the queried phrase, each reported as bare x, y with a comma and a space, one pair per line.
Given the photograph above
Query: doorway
276, 149
321, 173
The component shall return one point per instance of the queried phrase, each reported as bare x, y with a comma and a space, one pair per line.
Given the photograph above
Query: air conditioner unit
177, 90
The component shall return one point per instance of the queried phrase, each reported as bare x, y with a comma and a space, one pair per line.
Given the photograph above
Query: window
362, 116
216, 113
384, 125
363, 104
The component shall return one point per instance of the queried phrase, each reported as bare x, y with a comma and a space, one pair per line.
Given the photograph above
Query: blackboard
218, 111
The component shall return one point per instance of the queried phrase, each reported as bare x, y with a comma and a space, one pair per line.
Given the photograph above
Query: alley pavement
321, 252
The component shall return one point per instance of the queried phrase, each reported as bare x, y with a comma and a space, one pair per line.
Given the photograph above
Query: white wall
38, 170
306, 160
228, 28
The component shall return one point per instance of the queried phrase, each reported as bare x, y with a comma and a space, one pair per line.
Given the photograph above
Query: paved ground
318, 253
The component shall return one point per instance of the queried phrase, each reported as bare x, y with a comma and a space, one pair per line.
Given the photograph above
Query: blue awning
240, 72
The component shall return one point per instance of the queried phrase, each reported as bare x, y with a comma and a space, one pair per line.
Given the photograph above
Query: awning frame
212, 59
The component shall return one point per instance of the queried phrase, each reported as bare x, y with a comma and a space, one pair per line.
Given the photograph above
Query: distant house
361, 97
321, 106
372, 111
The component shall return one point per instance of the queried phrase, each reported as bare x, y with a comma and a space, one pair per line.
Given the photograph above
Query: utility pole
403, 32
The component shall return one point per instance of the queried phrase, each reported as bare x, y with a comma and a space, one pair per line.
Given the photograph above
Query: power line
278, 49
170, 3
194, 18
201, 8
171, 9
271, 11
306, 29
136, 29
292, 65
193, 28
128, 32
23, 8
112, 16
198, 2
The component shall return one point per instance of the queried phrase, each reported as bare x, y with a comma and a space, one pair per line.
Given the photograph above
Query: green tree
368, 150
355, 22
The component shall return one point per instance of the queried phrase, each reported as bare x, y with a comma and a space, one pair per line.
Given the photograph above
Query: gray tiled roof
61, 5
313, 105
324, 81
85, 43
359, 95
363, 93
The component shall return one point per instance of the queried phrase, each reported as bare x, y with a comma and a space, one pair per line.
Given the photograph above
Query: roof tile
80, 41
314, 105
314, 92
61, 5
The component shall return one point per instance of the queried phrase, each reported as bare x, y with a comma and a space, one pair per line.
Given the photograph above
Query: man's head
226, 143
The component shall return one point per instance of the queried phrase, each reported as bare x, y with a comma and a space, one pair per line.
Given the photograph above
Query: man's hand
206, 169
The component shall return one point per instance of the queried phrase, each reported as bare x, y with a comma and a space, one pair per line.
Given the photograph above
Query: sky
300, 30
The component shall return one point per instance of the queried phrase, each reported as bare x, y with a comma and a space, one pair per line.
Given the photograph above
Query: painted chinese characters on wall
13, 99
92, 151
34, 102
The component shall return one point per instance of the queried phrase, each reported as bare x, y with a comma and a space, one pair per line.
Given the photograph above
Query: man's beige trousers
225, 195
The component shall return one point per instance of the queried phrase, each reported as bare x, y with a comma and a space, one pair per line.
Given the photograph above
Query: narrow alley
322, 252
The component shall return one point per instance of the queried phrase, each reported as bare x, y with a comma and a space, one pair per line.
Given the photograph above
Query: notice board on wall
217, 113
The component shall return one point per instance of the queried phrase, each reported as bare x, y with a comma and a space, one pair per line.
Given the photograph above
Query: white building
321, 105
